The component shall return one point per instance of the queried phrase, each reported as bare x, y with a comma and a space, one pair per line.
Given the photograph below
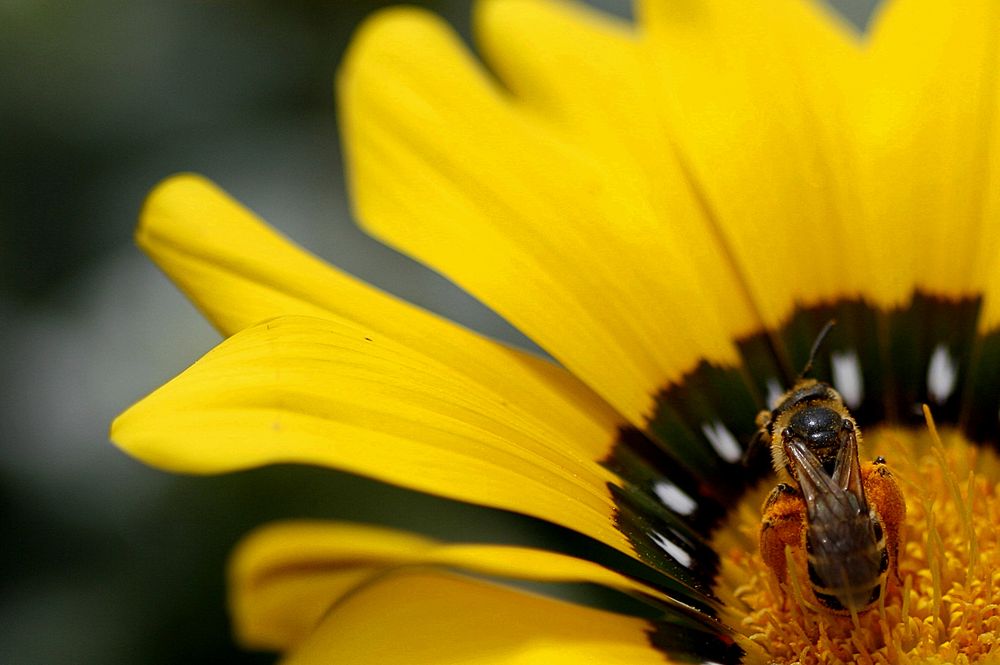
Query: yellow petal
284, 577
930, 140
755, 95
424, 617
234, 268
339, 395
239, 271
544, 52
188, 228
443, 166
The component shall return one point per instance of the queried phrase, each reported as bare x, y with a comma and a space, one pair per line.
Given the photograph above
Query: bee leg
761, 439
781, 526
884, 495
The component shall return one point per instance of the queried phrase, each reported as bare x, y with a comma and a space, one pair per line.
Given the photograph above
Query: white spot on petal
774, 392
723, 441
674, 498
678, 553
942, 374
847, 378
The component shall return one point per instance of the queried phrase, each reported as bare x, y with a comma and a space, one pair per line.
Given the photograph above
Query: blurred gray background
105, 560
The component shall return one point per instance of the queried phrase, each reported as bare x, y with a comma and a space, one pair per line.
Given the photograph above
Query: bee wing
812, 479
847, 469
825, 499
845, 557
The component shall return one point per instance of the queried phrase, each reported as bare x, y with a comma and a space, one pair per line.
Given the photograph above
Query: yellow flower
672, 210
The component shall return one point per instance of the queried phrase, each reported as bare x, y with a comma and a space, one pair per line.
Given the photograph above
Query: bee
839, 518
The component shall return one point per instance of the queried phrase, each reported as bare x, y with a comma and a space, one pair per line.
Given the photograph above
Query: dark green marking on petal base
695, 646
684, 469
980, 412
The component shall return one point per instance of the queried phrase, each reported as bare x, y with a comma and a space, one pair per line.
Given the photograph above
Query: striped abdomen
847, 560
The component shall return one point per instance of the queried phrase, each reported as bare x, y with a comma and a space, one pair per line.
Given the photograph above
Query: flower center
945, 607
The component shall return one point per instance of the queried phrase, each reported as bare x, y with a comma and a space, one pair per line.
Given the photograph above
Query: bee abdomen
833, 603
851, 581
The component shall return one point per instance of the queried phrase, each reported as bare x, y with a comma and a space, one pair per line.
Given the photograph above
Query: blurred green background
105, 560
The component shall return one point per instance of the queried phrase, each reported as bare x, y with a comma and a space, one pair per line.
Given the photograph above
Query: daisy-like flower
672, 210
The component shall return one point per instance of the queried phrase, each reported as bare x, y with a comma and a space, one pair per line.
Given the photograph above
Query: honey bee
839, 518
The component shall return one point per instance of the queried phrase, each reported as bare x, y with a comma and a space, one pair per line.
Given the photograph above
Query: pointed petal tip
118, 431
113, 429
131, 442
122, 438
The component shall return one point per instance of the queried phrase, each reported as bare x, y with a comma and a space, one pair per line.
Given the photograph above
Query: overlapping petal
239, 271
440, 618
543, 51
335, 394
754, 94
445, 167
285, 577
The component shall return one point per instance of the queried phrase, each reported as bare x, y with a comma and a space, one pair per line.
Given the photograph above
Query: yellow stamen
946, 606
807, 609
933, 557
973, 542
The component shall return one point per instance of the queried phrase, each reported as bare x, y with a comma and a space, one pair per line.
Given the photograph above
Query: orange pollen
946, 606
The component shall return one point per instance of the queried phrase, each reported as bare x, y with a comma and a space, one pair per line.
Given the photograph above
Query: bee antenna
820, 338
